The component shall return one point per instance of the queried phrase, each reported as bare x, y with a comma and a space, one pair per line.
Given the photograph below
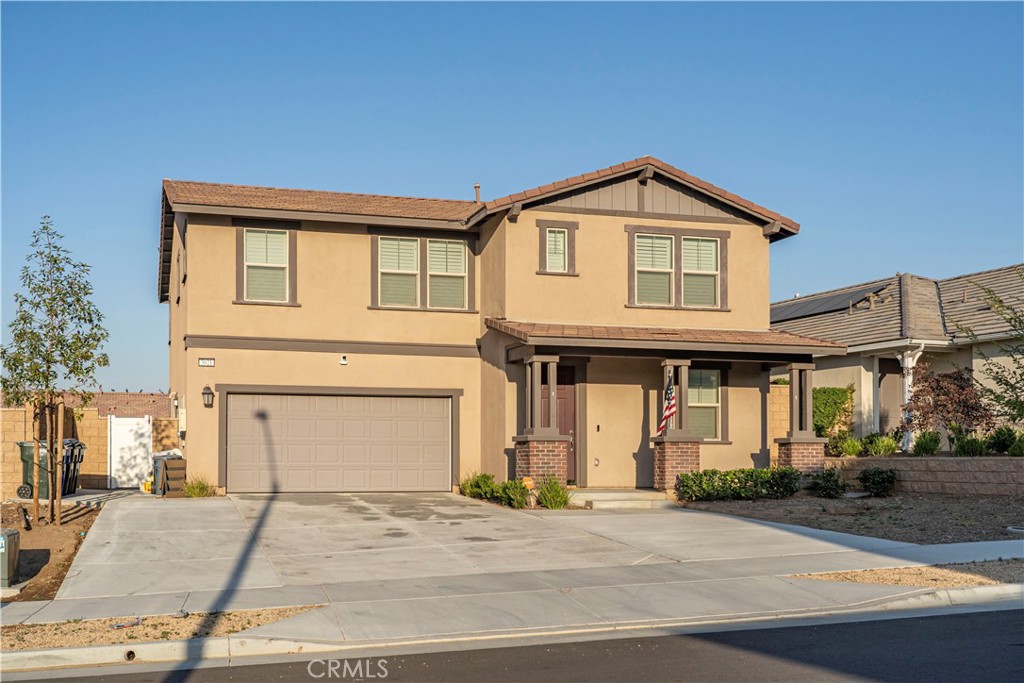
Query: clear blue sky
892, 132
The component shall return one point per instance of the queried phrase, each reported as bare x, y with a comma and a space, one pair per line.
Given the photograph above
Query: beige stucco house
326, 341
892, 325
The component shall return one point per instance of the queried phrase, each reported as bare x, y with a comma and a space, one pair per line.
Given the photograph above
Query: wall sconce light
207, 397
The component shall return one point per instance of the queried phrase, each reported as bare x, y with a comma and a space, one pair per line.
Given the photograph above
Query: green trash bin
28, 471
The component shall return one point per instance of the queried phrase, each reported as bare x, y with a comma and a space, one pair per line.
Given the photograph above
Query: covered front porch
590, 402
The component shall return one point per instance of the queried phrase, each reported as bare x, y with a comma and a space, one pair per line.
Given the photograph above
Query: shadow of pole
196, 646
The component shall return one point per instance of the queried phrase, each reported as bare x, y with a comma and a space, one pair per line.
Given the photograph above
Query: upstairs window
654, 270
266, 265
700, 272
704, 403
557, 260
446, 274
399, 272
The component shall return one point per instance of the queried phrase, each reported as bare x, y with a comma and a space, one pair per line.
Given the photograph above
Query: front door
565, 411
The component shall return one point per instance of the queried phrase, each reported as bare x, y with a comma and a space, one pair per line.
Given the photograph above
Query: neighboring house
326, 341
892, 325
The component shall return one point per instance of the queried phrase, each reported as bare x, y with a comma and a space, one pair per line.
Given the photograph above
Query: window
557, 260
704, 401
700, 272
266, 265
654, 270
446, 274
399, 272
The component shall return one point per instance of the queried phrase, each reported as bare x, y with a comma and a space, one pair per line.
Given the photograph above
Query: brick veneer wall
994, 476
807, 456
542, 459
672, 458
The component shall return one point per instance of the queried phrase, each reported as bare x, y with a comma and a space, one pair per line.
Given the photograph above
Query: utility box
10, 550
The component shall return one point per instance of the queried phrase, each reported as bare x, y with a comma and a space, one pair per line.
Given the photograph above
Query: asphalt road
985, 646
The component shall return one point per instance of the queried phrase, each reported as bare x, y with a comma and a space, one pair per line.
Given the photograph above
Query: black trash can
158, 469
72, 462
28, 471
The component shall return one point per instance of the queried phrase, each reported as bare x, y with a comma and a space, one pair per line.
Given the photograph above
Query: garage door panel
338, 443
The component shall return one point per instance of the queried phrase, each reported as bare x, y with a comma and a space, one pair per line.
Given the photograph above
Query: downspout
908, 361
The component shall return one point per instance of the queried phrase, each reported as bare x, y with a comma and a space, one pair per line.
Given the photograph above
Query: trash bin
28, 471
10, 549
158, 468
73, 456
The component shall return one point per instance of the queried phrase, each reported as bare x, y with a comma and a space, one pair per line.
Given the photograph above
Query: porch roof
668, 338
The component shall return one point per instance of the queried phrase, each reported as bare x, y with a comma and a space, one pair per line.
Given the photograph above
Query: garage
303, 443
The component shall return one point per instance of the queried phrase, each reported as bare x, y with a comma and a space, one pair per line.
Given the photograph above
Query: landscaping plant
851, 447
1002, 439
1017, 449
927, 442
969, 447
512, 493
739, 484
832, 408
947, 399
553, 494
878, 481
882, 445
198, 487
480, 486
829, 483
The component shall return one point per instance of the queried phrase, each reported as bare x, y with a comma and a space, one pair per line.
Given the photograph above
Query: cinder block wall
993, 476
778, 417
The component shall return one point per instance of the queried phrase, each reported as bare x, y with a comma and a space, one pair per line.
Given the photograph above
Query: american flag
669, 411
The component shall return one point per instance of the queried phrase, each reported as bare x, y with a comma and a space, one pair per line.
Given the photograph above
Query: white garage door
338, 443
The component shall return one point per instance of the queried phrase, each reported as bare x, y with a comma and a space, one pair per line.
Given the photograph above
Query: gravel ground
911, 518
102, 631
47, 550
941, 576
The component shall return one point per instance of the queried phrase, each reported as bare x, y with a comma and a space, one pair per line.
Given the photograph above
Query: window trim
291, 279
677, 295
380, 272
570, 228
719, 422
422, 235
671, 270
683, 272
464, 275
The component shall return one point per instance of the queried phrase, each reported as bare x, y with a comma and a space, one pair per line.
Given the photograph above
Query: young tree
1005, 390
57, 338
949, 400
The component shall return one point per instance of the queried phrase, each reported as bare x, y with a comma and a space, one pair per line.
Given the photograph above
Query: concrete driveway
142, 545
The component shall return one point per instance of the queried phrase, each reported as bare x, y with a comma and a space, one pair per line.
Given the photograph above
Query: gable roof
901, 307
275, 198
629, 167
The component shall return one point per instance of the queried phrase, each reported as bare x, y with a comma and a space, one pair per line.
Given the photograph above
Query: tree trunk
37, 434
50, 429
60, 458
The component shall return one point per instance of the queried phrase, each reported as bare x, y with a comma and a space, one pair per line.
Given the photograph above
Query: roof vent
476, 190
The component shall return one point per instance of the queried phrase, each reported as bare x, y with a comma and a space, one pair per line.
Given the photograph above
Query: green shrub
1017, 449
878, 481
479, 486
1002, 439
835, 441
831, 409
741, 484
927, 442
198, 487
883, 445
512, 493
553, 494
828, 484
969, 447
851, 446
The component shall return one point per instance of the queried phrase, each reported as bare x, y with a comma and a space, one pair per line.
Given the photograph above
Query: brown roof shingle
714, 190
528, 331
252, 197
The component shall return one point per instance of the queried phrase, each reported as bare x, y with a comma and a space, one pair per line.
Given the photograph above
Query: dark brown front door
565, 410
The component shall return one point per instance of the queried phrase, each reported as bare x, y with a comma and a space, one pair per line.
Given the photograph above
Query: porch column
675, 451
553, 394
541, 452
536, 420
800, 448
679, 371
908, 361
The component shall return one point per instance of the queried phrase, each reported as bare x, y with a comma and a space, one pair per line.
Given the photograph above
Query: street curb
229, 647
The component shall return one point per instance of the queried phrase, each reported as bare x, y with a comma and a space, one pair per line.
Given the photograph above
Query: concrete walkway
389, 567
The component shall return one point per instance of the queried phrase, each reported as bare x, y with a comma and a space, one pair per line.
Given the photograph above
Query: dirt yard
47, 550
105, 631
941, 576
912, 518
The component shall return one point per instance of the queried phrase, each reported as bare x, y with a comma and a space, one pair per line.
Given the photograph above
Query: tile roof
251, 197
909, 307
123, 403
714, 190
529, 331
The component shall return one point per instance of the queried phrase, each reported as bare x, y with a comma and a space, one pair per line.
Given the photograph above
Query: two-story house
327, 341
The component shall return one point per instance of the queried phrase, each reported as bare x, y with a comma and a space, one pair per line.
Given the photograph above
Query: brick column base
805, 454
672, 458
539, 458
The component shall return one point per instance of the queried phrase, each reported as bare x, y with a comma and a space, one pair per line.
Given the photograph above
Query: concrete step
607, 504
622, 499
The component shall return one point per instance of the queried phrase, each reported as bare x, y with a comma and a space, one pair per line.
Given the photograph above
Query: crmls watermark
346, 668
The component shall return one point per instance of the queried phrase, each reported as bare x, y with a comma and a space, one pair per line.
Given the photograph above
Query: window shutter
653, 252
654, 288
556, 257
700, 290
266, 284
